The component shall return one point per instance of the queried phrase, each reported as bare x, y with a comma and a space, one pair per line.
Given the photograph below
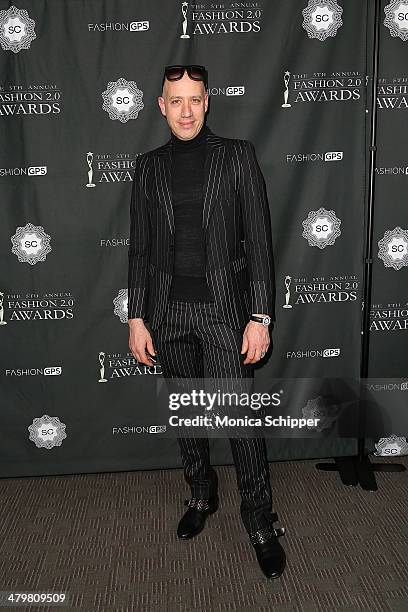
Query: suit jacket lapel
213, 164
163, 179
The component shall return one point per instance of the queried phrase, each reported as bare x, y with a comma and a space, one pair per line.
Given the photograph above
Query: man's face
184, 104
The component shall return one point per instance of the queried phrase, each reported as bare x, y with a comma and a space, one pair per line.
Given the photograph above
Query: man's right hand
140, 341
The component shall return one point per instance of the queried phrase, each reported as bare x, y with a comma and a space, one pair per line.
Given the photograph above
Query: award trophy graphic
89, 159
286, 78
2, 322
184, 7
288, 280
102, 370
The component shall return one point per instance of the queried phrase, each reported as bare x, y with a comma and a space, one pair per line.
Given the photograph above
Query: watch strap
266, 320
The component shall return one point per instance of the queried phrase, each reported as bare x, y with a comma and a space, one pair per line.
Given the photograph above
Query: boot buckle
197, 503
263, 535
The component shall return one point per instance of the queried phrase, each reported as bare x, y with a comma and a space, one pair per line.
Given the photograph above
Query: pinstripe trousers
193, 338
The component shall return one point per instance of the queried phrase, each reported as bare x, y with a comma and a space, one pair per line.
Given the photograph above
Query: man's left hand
255, 342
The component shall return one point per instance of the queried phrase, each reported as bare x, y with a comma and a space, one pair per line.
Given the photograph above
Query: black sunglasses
194, 71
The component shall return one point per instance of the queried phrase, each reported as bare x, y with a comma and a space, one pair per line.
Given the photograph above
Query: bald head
184, 104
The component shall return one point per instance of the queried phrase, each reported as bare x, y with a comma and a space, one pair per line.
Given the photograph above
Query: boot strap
197, 503
263, 535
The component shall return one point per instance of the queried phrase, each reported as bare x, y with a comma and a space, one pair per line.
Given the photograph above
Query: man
201, 287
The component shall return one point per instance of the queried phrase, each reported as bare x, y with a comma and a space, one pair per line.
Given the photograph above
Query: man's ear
160, 101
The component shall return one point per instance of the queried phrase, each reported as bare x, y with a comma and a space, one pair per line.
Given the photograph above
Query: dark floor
109, 541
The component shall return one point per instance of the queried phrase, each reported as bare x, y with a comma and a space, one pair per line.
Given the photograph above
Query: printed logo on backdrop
396, 18
118, 26
2, 321
337, 86
389, 317
313, 353
227, 90
322, 18
388, 386
391, 446
120, 303
33, 99
320, 409
327, 156
33, 306
114, 242
139, 429
392, 93
47, 432
31, 244
393, 248
16, 29
321, 228
45, 371
316, 290
109, 168
24, 171
122, 100
207, 18
113, 366
391, 170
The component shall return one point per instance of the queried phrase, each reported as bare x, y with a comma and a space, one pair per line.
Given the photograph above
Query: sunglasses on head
194, 71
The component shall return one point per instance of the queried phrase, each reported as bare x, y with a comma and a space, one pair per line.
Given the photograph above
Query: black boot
269, 552
193, 520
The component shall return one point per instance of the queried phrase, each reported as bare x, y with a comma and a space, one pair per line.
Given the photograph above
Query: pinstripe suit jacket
236, 222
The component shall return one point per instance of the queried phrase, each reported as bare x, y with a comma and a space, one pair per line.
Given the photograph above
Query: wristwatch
265, 320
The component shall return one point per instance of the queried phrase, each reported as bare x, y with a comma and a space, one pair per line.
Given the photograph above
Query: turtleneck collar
186, 145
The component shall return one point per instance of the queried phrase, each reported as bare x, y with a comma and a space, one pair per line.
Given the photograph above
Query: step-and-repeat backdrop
78, 103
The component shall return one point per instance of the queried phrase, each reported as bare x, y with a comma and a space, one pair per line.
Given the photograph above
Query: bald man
201, 288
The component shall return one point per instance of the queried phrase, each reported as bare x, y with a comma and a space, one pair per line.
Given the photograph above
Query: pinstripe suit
240, 274
240, 269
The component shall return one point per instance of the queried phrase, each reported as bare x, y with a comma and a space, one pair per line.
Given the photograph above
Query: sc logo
31, 244
15, 29
47, 432
322, 228
398, 248
322, 18
122, 100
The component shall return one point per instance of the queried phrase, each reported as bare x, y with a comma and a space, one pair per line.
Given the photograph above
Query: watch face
266, 320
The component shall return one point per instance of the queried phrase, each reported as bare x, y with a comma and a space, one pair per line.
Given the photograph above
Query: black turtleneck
189, 282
